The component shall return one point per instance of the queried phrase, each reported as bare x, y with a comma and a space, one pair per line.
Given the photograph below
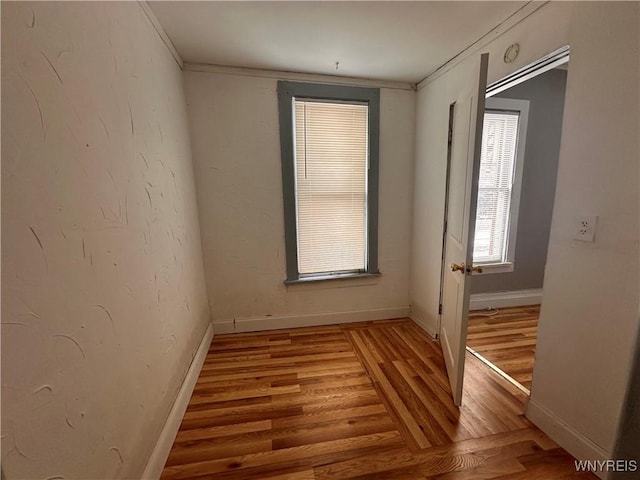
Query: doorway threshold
497, 370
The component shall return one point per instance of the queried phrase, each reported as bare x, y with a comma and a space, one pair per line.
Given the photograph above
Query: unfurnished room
320, 240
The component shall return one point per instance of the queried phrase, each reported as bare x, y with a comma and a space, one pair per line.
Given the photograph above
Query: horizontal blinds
497, 168
331, 185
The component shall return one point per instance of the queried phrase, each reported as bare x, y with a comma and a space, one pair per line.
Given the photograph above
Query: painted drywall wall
590, 302
103, 296
545, 94
236, 149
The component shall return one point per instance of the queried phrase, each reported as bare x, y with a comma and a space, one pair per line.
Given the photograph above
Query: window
501, 163
329, 141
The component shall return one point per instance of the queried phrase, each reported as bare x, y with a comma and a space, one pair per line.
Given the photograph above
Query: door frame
538, 67
452, 112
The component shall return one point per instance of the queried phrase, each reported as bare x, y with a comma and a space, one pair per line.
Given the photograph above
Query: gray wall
546, 96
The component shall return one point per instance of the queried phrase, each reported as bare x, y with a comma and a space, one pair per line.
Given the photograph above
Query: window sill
494, 268
329, 278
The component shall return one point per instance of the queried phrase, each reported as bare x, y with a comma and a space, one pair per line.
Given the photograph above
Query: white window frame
522, 107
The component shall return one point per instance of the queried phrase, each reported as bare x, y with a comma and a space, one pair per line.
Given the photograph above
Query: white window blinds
497, 170
331, 185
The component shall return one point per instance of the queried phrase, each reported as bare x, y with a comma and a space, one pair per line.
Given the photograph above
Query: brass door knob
474, 269
457, 268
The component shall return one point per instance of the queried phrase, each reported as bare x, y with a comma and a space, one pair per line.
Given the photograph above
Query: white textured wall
236, 149
103, 296
590, 303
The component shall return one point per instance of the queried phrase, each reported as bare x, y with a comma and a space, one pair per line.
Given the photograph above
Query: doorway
521, 147
516, 187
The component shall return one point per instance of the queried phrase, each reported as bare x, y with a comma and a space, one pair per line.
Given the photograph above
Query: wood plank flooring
355, 401
508, 340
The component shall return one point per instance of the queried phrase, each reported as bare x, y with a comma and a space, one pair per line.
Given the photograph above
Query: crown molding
163, 35
296, 76
514, 19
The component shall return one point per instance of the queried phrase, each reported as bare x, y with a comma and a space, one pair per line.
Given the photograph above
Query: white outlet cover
584, 229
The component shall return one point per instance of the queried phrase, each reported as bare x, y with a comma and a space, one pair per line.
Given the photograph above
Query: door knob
474, 269
457, 268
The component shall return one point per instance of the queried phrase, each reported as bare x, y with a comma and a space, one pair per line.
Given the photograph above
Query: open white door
466, 143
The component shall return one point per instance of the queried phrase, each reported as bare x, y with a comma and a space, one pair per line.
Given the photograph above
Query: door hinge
440, 309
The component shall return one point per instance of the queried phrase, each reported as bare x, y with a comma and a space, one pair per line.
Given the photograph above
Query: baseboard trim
160, 453
514, 298
423, 325
256, 324
566, 436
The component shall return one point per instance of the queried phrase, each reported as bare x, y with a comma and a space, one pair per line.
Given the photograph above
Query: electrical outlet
585, 229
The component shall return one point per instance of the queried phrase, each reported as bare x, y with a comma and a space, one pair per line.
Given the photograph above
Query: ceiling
401, 41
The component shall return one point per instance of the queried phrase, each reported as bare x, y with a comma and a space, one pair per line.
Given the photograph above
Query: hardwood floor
357, 401
508, 340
